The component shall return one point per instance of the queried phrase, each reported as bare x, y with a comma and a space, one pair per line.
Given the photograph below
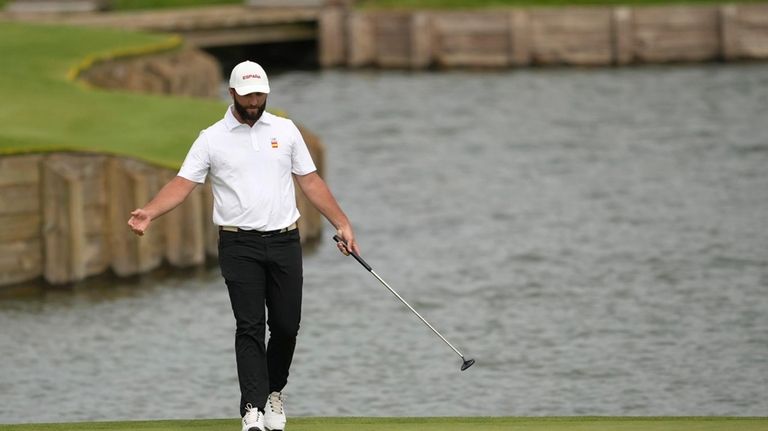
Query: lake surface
596, 239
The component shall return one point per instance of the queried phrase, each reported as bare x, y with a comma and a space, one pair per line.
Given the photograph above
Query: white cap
248, 77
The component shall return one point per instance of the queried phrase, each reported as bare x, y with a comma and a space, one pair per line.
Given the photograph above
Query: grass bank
44, 110
434, 424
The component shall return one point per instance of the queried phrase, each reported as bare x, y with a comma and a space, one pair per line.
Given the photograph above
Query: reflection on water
596, 239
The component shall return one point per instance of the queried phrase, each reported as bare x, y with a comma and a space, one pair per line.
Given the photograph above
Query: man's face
251, 106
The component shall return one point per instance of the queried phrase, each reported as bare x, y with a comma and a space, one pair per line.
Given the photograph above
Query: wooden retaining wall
64, 217
580, 36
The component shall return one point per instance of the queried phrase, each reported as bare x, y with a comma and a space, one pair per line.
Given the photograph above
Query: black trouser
262, 270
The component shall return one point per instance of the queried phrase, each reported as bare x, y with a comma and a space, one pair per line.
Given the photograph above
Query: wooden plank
19, 198
577, 36
20, 261
673, 34
95, 257
96, 221
19, 227
17, 170
465, 39
744, 31
393, 39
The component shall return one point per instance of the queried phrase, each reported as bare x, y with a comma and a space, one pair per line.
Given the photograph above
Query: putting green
434, 424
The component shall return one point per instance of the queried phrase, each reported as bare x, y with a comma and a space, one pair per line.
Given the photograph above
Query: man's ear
232, 92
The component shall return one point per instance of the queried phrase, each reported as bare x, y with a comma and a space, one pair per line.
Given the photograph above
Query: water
596, 239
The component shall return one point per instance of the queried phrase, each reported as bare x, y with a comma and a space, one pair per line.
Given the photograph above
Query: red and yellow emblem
274, 143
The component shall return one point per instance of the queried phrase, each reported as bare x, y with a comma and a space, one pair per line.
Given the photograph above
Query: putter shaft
416, 313
467, 362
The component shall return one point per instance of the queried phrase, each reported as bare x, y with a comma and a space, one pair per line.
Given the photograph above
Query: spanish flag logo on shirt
274, 143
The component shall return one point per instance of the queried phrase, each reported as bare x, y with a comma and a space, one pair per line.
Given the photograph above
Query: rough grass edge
173, 42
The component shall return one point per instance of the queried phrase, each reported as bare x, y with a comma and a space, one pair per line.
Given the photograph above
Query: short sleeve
301, 160
198, 162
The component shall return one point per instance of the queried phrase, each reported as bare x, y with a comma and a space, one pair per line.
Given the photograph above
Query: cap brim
248, 89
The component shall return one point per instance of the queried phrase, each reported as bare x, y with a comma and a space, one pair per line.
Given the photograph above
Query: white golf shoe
274, 412
253, 419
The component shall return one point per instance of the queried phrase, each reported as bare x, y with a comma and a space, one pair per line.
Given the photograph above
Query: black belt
258, 232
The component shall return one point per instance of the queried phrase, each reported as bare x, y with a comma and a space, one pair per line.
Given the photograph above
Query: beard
247, 115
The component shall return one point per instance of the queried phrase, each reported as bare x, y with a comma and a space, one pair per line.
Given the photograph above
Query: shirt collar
231, 121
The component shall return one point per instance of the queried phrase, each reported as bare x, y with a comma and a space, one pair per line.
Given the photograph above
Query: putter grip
355, 255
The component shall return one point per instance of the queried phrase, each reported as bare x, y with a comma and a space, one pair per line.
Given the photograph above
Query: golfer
252, 158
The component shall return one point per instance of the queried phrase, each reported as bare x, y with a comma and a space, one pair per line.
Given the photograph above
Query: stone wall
515, 37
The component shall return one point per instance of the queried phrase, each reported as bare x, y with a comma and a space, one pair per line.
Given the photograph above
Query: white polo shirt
251, 170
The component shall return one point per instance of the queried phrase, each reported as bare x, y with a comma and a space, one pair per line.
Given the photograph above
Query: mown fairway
433, 424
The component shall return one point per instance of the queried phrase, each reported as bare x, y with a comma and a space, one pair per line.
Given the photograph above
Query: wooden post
131, 184
520, 39
728, 16
421, 40
63, 224
361, 40
623, 42
331, 37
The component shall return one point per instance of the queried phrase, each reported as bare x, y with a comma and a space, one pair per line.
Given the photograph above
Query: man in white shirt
252, 157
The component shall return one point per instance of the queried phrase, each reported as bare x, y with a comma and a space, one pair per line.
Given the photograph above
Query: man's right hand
139, 221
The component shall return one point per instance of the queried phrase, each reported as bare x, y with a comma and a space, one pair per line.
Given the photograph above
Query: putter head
467, 363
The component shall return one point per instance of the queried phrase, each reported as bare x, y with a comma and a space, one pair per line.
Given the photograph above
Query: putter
466, 363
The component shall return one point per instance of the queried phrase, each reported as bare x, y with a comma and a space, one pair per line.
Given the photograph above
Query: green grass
156, 4
42, 110
433, 424
160, 4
